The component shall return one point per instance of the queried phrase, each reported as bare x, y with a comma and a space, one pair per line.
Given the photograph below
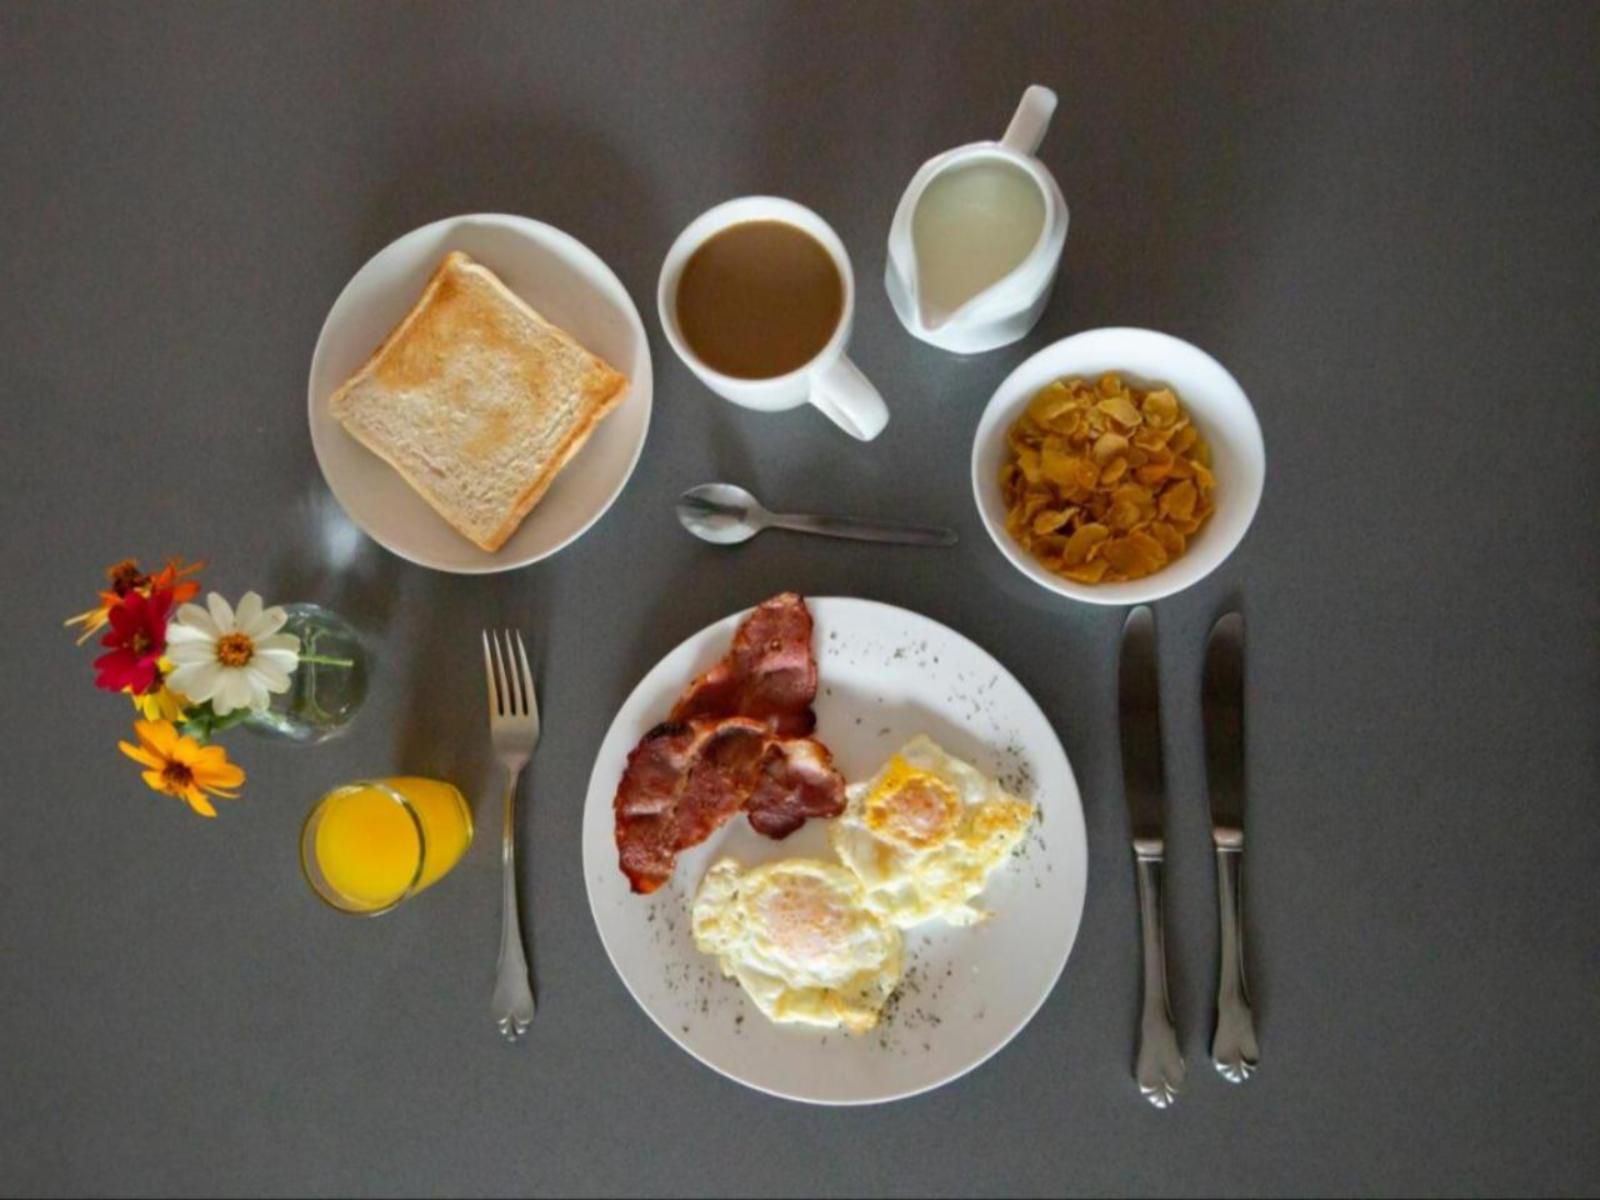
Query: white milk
974, 225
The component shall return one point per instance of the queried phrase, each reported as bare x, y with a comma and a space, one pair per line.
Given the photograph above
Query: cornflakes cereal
1106, 482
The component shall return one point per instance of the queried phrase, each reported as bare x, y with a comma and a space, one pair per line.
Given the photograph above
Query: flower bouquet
190, 671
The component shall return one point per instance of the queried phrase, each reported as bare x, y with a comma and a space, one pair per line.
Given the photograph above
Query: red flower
138, 639
125, 577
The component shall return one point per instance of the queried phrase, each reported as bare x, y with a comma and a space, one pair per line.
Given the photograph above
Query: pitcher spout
930, 316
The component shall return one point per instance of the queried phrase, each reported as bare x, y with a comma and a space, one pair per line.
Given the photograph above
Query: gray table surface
1383, 218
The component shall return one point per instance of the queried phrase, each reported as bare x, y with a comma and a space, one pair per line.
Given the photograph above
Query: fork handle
513, 991
1159, 1068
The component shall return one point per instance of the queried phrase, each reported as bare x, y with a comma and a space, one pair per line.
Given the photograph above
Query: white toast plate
570, 286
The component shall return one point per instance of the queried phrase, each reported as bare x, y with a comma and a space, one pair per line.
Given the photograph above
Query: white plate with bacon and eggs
835, 850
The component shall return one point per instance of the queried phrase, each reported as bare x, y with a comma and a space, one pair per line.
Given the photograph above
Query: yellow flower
92, 621
180, 766
160, 703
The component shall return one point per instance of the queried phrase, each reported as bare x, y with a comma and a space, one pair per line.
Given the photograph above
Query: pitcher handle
1032, 118
849, 400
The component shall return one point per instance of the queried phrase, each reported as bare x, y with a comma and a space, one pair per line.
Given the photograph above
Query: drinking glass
370, 846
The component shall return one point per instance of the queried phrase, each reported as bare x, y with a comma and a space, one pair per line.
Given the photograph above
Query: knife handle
1159, 1067
1233, 1049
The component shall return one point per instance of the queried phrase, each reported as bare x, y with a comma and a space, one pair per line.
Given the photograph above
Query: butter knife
1233, 1048
1159, 1067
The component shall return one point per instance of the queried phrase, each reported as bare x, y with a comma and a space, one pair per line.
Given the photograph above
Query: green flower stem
327, 662
201, 722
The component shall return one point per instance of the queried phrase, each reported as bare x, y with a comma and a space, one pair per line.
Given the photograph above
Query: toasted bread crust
618, 385
449, 263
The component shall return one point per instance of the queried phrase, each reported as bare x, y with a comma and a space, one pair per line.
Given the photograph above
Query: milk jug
977, 238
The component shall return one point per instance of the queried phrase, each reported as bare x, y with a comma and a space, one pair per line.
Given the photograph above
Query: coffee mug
830, 381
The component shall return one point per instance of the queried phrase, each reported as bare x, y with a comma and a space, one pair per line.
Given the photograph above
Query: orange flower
125, 578
172, 576
180, 766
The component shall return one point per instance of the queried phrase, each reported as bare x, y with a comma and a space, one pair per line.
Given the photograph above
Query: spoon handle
865, 531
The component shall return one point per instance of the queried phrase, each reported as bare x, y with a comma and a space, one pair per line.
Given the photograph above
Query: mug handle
1032, 118
848, 399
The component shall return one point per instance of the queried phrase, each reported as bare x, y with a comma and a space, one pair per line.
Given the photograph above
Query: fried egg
925, 833
800, 940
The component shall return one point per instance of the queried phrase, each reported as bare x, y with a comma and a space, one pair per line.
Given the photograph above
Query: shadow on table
443, 729
332, 563
441, 724
730, 454
570, 177
703, 583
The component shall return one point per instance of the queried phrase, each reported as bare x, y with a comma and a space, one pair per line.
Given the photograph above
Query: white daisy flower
233, 659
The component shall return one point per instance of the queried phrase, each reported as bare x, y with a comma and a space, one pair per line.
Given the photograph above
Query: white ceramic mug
830, 380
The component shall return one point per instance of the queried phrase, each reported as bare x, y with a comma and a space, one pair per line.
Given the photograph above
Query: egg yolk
912, 808
999, 821
802, 920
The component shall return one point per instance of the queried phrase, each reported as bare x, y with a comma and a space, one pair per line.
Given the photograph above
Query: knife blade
1158, 1063
1223, 706
1139, 703
1234, 1048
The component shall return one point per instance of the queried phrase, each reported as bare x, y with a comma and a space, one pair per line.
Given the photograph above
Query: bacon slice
736, 741
798, 782
769, 674
686, 780
682, 782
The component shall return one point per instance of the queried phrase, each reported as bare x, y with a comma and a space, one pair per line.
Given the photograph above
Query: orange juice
371, 845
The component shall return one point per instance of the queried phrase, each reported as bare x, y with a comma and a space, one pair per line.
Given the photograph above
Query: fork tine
508, 698
527, 679
515, 676
519, 702
488, 671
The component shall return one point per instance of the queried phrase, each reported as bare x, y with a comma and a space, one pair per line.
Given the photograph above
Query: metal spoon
725, 514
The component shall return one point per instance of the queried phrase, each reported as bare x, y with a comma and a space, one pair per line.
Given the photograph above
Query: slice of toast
477, 400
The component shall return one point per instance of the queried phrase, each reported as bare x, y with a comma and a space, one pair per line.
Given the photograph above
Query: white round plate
570, 286
1220, 409
886, 676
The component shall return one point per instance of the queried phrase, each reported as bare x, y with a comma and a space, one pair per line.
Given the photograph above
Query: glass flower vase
327, 689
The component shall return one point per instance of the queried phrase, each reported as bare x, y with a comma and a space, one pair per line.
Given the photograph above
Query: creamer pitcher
977, 238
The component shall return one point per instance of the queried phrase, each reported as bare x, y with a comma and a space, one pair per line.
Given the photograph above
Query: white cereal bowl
1212, 397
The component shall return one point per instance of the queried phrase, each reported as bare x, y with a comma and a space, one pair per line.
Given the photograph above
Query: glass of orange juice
368, 847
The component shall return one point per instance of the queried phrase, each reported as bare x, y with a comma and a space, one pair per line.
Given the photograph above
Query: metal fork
514, 731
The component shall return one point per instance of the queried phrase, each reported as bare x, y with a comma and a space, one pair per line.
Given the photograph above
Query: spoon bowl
721, 513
